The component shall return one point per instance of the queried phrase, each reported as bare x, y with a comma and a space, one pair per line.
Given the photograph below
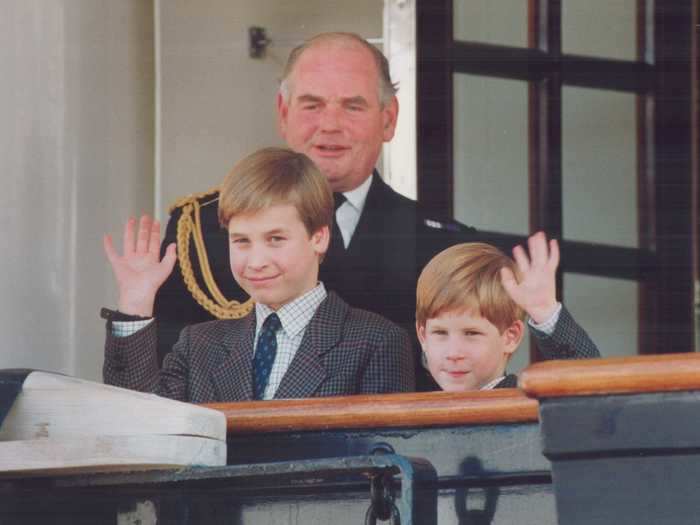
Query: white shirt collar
296, 314
493, 383
358, 196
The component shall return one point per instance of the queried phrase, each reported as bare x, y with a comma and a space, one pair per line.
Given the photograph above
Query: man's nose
330, 118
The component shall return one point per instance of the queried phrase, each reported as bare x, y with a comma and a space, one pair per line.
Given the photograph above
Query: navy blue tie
265, 352
337, 247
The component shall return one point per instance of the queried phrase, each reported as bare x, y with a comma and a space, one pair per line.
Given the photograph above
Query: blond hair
272, 176
387, 88
467, 277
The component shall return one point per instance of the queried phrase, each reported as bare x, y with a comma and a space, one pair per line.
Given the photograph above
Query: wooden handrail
379, 411
615, 375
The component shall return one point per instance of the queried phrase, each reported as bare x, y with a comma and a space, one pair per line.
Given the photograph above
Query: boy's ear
420, 332
512, 336
320, 240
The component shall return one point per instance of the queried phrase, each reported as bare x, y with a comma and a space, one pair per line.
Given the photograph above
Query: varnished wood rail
616, 375
379, 411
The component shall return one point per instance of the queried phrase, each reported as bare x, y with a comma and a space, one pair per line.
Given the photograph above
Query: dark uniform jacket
344, 351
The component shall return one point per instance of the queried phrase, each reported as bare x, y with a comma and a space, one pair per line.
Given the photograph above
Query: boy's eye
471, 332
438, 331
276, 238
239, 241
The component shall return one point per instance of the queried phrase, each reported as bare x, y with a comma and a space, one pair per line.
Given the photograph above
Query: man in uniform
336, 104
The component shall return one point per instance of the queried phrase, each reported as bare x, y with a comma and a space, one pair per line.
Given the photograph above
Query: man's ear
390, 114
320, 240
282, 112
512, 336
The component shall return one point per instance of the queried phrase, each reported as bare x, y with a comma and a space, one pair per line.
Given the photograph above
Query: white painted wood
52, 406
72, 425
108, 454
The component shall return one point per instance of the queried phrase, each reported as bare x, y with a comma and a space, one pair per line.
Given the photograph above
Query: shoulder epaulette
204, 198
189, 227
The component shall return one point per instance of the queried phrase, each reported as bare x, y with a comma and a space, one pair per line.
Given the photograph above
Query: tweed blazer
568, 341
344, 351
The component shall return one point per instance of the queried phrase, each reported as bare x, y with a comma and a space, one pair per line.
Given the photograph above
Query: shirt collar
491, 384
358, 196
296, 314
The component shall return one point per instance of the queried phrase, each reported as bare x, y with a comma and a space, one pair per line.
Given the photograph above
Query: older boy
470, 310
299, 341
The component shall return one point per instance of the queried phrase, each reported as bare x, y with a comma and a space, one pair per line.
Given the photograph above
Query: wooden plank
57, 406
108, 454
615, 375
385, 411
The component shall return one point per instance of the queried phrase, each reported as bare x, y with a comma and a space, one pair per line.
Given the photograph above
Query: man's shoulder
427, 222
205, 203
357, 318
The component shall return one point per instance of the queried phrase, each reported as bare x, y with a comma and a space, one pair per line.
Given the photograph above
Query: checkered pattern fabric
568, 341
548, 325
126, 328
265, 352
343, 351
295, 317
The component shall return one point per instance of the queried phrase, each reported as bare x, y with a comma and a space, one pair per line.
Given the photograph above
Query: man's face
334, 115
272, 256
466, 351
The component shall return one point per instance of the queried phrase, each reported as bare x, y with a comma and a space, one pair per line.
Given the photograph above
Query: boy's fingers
553, 253
169, 258
521, 259
129, 235
144, 234
108, 245
154, 239
537, 244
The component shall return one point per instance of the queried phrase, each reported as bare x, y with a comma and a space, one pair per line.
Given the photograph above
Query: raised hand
536, 290
139, 271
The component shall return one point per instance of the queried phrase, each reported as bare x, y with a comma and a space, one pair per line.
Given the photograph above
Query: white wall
217, 104
400, 155
76, 156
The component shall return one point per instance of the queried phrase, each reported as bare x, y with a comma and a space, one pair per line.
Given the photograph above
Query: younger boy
299, 341
470, 310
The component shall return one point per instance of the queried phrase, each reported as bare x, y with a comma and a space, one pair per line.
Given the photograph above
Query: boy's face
466, 351
272, 256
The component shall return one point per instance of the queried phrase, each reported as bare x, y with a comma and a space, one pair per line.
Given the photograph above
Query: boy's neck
280, 306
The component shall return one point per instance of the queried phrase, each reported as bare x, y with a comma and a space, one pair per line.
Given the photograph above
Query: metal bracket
257, 42
416, 501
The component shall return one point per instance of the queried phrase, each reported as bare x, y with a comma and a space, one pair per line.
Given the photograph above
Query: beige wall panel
76, 157
217, 104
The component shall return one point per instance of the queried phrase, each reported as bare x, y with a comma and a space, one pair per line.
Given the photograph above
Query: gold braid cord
189, 226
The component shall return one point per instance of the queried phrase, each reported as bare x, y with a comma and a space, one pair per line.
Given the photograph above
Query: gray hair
387, 88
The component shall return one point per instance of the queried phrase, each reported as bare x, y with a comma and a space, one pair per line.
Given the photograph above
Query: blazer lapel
371, 216
233, 380
307, 371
